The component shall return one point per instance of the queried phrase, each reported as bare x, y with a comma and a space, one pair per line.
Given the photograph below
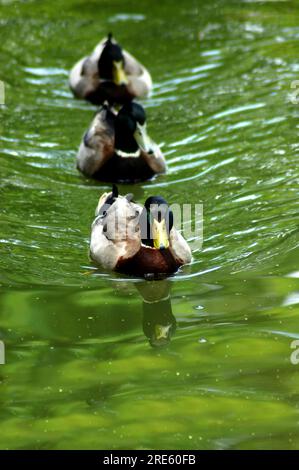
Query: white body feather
96, 146
119, 241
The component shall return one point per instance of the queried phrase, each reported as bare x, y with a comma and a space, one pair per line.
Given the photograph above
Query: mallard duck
117, 148
109, 74
136, 240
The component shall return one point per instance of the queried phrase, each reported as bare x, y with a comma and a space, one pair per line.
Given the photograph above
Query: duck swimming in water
136, 240
109, 74
116, 147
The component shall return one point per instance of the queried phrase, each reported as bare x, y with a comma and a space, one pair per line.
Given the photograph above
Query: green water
80, 368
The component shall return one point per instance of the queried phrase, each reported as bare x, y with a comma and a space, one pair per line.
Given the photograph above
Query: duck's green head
156, 223
111, 64
130, 129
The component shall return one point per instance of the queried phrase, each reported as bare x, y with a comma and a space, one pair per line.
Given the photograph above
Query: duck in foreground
109, 74
136, 240
117, 148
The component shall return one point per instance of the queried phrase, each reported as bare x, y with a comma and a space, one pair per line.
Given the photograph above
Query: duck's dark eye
132, 217
102, 214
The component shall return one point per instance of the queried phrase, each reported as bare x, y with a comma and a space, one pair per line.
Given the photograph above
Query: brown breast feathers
147, 261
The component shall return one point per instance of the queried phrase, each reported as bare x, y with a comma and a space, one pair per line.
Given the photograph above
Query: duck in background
137, 240
117, 148
109, 74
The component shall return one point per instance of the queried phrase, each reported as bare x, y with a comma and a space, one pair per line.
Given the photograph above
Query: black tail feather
114, 191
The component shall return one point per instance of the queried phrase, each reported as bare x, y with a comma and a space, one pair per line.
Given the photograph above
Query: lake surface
96, 360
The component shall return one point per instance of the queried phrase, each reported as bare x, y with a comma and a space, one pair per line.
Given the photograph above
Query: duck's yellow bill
143, 140
119, 74
101, 202
160, 235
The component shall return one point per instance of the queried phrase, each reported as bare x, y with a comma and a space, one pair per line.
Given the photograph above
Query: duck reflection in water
159, 323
